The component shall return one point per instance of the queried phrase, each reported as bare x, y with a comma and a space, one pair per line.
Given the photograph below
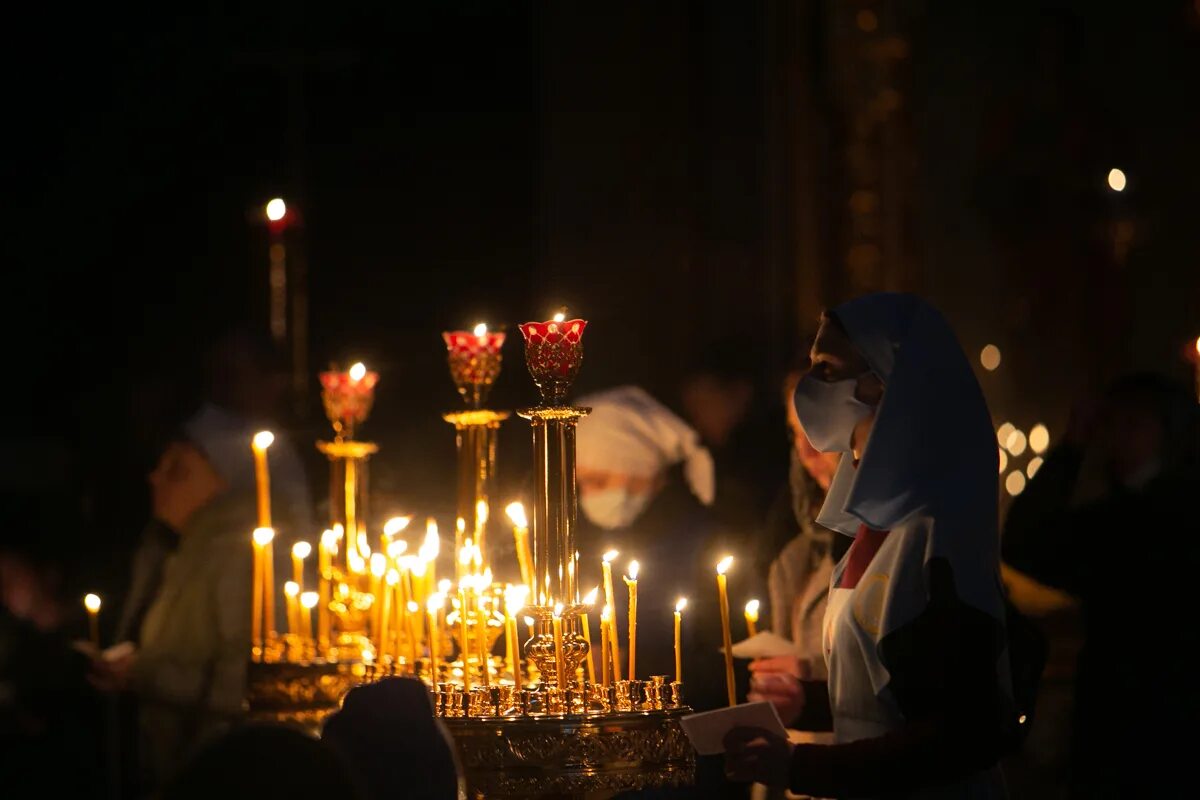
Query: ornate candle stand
568, 737
474, 359
348, 397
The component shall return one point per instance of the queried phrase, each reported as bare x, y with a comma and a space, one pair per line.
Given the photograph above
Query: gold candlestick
722, 567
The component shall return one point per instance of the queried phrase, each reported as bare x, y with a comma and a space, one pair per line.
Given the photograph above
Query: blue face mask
829, 411
613, 508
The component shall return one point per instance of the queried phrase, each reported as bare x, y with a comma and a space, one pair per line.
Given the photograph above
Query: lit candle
481, 520
512, 604
291, 593
325, 551
604, 679
267, 537
481, 640
378, 570
262, 480
558, 647
516, 513
465, 641
414, 625
722, 591
300, 551
460, 529
752, 617
391, 528
429, 550
679, 607
385, 615
589, 600
606, 566
308, 600
259, 540
92, 603
631, 582
416, 571
434, 608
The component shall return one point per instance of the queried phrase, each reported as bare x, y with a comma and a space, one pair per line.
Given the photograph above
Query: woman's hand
755, 754
113, 671
777, 681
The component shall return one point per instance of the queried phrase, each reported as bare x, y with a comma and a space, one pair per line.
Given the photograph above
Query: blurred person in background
1109, 518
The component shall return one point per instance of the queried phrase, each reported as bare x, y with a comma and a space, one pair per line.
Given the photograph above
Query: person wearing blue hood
918, 694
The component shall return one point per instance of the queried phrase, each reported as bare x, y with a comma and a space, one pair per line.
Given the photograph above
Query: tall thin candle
383, 644
308, 600
631, 582
92, 603
291, 594
268, 573
262, 481
259, 541
300, 551
434, 607
679, 607
465, 648
604, 671
722, 567
414, 638
589, 600
751, 614
325, 551
612, 619
558, 647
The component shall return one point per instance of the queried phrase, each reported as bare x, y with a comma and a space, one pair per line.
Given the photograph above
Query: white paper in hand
764, 644
706, 730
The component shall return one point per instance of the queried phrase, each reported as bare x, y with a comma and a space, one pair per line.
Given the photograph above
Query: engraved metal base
569, 755
300, 695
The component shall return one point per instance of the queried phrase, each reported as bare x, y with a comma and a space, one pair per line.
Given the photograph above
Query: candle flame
395, 525
752, 610
291, 588
378, 564
610, 555
329, 539
364, 547
516, 513
339, 530
1198, 345
417, 566
91, 602
481, 512
724, 564
481, 330
485, 578
559, 317
444, 585
263, 536
681, 604
301, 550
514, 600
558, 607
464, 555
396, 549
436, 602
633, 571
606, 614
358, 372
431, 546
413, 607
309, 599
529, 621
262, 440
589, 599
358, 564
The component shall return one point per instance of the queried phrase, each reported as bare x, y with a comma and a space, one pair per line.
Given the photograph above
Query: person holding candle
918, 691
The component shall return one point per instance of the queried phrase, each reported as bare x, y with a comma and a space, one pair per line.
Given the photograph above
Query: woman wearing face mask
646, 485
918, 691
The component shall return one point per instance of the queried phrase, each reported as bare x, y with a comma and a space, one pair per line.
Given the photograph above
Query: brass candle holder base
570, 755
300, 695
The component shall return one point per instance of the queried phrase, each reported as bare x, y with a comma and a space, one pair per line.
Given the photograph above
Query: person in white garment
918, 691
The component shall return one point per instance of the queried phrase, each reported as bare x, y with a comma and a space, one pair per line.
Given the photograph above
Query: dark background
677, 173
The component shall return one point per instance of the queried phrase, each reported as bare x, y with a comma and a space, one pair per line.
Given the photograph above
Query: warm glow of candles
433, 608
589, 600
262, 480
558, 647
300, 551
480, 330
308, 601
92, 603
680, 605
260, 539
414, 637
631, 582
264, 538
291, 594
604, 624
392, 527
722, 590
358, 372
559, 317
613, 643
751, 614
